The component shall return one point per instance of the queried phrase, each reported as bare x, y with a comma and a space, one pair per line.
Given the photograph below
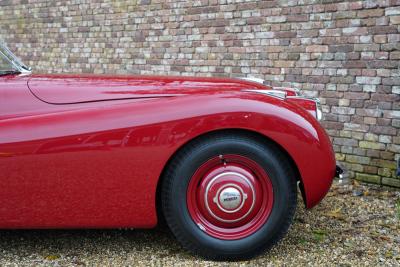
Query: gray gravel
355, 225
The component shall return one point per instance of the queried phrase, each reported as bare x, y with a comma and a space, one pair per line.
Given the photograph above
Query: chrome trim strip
296, 90
253, 79
274, 93
318, 110
306, 98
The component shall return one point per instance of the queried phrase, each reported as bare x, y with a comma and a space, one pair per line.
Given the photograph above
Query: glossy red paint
307, 104
236, 173
96, 88
97, 164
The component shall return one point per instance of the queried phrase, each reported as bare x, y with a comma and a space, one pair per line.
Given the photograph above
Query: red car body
89, 151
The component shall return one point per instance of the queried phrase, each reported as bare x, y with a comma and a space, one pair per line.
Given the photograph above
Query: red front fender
100, 166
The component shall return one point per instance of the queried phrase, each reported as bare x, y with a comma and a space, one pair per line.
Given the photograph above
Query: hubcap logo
230, 198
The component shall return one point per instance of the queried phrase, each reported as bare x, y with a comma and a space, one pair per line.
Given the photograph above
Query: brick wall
346, 53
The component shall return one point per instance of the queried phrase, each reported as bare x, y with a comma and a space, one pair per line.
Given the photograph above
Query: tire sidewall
282, 185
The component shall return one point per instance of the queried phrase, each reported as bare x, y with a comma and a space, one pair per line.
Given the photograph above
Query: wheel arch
237, 131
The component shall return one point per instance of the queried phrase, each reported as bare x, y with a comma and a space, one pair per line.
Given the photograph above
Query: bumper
342, 174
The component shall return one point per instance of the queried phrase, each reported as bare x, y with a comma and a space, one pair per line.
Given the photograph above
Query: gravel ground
355, 225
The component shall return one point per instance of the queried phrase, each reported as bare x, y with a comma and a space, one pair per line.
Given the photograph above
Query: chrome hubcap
226, 195
230, 198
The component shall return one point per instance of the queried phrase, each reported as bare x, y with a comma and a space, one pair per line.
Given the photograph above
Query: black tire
178, 175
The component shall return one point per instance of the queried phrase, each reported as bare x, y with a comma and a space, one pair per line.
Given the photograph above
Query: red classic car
219, 159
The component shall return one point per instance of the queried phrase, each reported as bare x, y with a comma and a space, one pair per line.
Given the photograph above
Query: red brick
370, 13
382, 29
317, 48
297, 18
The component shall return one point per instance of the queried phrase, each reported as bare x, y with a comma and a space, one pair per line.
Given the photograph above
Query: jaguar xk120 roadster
219, 159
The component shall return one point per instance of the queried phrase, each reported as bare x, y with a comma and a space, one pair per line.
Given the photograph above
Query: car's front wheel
229, 196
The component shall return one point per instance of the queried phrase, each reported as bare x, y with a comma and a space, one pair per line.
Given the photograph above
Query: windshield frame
14, 61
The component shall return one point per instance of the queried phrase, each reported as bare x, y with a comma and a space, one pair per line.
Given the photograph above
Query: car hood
69, 89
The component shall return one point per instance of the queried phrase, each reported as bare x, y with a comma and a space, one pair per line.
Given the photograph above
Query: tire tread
168, 191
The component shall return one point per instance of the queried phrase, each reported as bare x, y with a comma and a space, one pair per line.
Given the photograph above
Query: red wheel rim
230, 197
